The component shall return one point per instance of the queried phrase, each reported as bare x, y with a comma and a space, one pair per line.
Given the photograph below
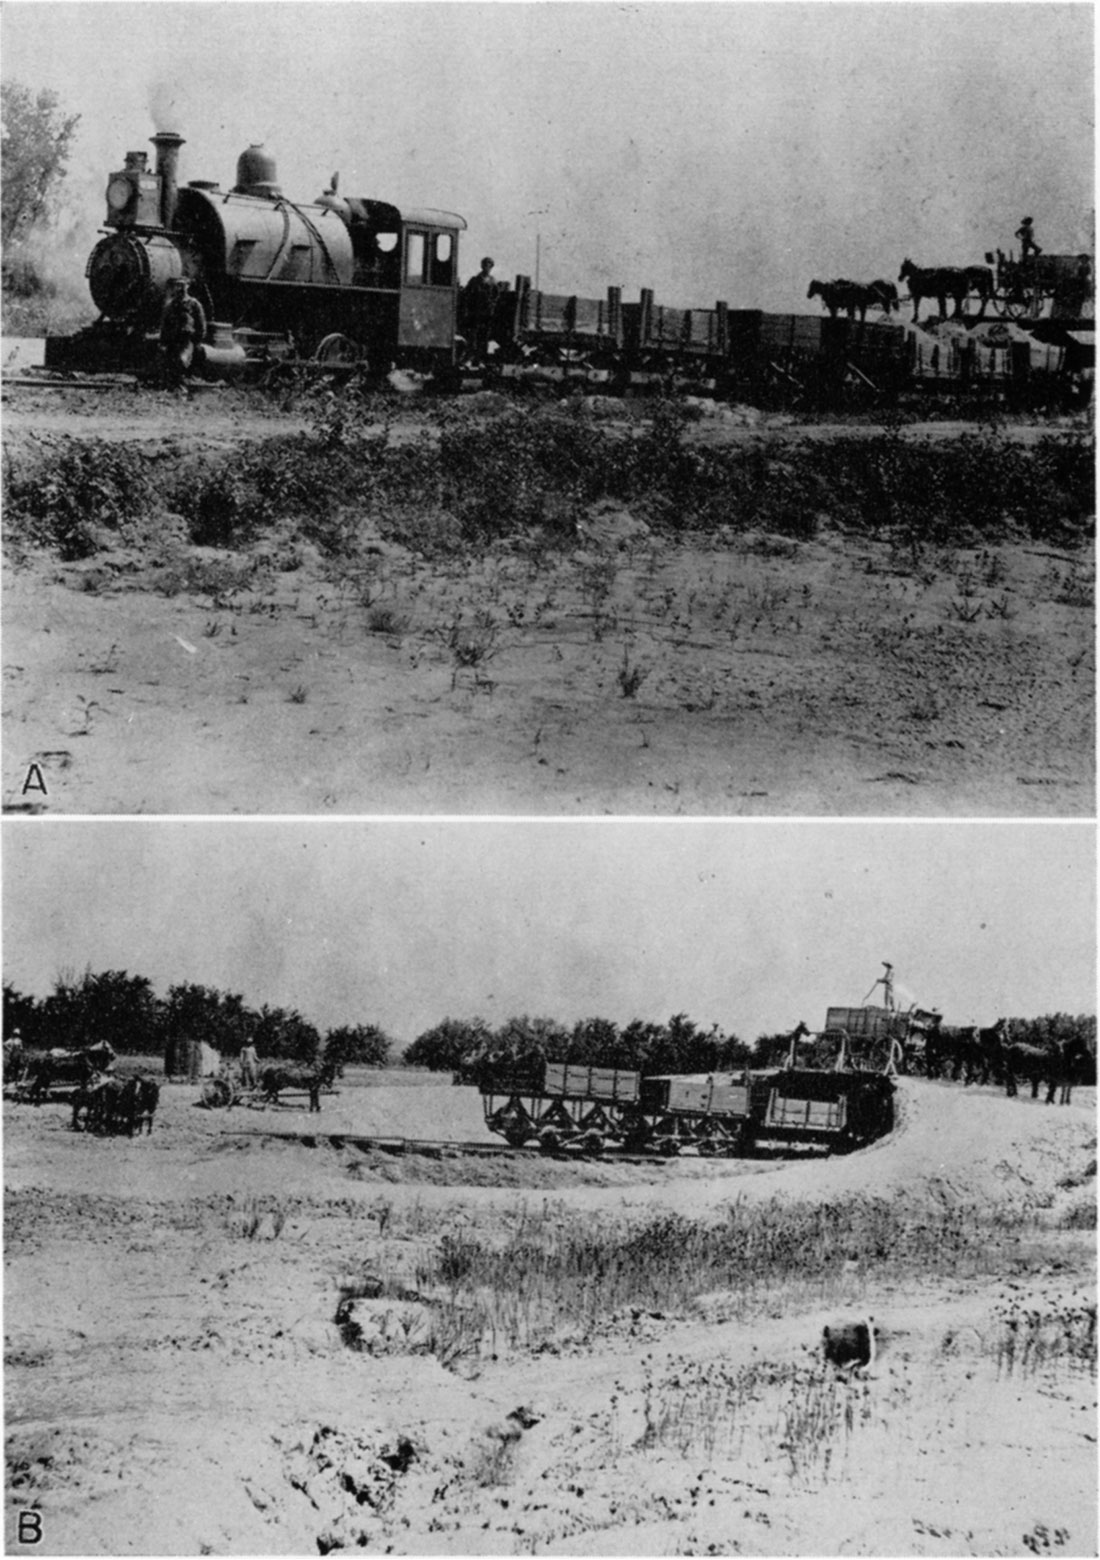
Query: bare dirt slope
637, 671
176, 1381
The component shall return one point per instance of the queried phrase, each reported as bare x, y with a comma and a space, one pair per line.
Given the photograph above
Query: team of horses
970, 1054
309, 1080
111, 1107
855, 297
939, 282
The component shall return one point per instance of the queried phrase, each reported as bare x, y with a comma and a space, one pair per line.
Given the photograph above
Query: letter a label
35, 781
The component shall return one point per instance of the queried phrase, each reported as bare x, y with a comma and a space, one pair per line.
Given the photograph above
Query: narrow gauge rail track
90, 382
436, 1148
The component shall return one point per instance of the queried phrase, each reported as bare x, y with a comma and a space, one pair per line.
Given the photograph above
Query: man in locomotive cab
479, 305
182, 329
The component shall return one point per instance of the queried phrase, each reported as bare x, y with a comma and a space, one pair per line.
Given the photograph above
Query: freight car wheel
516, 1137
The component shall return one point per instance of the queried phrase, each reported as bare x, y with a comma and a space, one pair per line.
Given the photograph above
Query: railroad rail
90, 382
438, 1148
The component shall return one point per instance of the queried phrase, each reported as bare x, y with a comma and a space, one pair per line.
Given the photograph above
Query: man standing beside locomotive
480, 299
182, 328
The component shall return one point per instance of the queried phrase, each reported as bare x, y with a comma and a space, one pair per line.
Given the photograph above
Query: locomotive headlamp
119, 194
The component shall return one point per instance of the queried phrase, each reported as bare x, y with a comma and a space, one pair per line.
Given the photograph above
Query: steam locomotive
338, 280
351, 282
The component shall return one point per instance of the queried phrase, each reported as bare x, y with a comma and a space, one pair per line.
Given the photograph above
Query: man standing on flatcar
1025, 234
480, 301
182, 328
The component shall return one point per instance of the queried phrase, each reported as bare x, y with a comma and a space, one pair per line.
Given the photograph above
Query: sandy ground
634, 673
175, 1381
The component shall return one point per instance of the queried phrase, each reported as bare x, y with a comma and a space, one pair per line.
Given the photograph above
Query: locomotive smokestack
168, 144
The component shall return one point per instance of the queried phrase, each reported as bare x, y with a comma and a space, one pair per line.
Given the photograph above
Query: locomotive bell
256, 173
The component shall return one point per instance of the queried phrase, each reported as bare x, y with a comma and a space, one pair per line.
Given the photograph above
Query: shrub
88, 487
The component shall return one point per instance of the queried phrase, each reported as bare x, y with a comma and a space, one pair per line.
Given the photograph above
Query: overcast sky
724, 150
751, 925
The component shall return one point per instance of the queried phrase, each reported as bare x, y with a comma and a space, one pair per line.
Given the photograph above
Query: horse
1070, 1065
854, 296
991, 1043
275, 1080
943, 282
1034, 1064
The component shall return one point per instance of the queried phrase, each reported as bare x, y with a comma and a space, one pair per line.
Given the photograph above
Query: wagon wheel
1013, 305
517, 1136
338, 351
216, 1094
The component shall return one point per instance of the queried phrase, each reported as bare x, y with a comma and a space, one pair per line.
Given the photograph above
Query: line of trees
466, 1047
124, 1010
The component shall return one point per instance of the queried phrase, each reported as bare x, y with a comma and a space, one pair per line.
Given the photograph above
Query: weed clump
460, 483
65, 503
554, 1268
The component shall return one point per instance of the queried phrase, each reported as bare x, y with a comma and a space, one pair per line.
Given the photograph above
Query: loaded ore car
338, 280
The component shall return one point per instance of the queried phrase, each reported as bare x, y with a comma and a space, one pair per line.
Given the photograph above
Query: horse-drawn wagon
227, 1087
1023, 288
38, 1076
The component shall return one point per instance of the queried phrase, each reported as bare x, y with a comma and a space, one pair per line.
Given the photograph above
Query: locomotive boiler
340, 280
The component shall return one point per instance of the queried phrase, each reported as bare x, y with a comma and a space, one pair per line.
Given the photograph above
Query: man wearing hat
182, 328
480, 299
1028, 246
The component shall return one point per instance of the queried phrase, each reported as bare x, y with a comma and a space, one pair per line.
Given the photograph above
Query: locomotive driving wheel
338, 351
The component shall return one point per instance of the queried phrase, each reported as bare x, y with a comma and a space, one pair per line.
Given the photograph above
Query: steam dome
256, 173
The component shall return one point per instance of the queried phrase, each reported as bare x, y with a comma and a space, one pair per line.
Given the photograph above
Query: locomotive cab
413, 255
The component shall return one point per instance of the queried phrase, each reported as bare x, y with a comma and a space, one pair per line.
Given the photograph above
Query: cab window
443, 260
414, 257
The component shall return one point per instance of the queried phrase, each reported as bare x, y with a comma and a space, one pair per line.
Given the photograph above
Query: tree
111, 1006
37, 139
21, 1013
192, 1012
595, 1041
364, 1044
285, 1035
449, 1046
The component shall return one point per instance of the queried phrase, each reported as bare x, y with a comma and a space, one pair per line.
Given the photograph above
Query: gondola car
560, 1106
